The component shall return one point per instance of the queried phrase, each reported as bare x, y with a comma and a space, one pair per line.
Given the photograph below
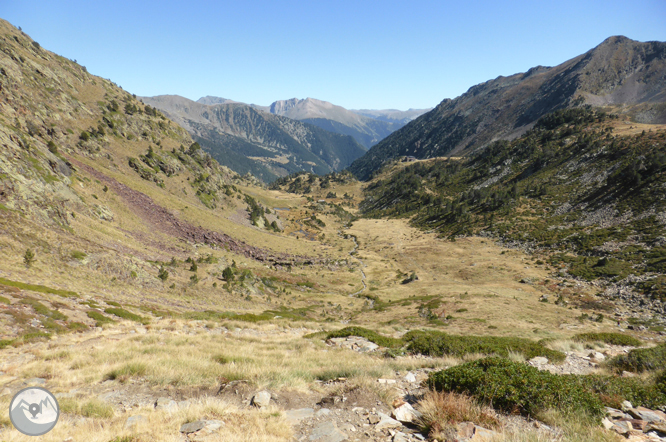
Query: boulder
405, 413
261, 399
327, 432
164, 403
409, 377
133, 421
386, 421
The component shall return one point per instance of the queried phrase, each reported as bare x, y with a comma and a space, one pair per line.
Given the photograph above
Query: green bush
100, 318
370, 335
434, 343
608, 338
516, 387
640, 359
122, 313
43, 310
613, 390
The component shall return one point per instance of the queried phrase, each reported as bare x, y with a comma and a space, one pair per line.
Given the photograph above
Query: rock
658, 427
386, 421
483, 434
626, 405
622, 427
373, 419
346, 426
647, 414
405, 413
212, 426
294, 416
400, 437
183, 404
261, 399
538, 360
192, 427
35, 381
5, 392
133, 421
327, 432
409, 377
164, 403
597, 356
323, 412
386, 381
607, 423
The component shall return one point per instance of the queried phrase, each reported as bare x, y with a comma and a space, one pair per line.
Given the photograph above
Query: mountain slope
581, 187
368, 127
618, 72
392, 115
266, 145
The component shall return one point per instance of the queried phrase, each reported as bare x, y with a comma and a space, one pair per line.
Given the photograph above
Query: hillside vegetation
591, 201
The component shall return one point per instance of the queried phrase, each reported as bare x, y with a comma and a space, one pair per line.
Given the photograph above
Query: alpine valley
490, 269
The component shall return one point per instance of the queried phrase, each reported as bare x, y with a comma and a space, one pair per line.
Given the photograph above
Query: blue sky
357, 54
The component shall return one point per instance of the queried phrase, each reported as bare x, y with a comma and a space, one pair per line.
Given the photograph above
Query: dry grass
440, 412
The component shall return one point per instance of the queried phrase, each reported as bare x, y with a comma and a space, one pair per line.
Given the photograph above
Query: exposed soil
165, 222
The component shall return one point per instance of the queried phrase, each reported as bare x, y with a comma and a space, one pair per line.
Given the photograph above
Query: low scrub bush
515, 387
100, 318
640, 359
435, 343
608, 338
122, 313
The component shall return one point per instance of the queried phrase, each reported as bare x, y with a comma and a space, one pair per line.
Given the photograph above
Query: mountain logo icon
34, 411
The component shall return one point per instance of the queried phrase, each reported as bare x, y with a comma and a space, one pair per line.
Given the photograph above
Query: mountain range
367, 126
248, 140
622, 74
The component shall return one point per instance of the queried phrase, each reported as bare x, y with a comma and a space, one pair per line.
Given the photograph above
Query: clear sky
357, 54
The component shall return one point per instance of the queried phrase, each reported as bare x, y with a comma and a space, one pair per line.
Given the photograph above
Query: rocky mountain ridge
620, 73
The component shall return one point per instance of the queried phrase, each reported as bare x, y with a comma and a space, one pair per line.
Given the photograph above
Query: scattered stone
405, 413
166, 404
597, 356
647, 415
133, 421
327, 432
658, 427
35, 381
5, 392
481, 433
373, 419
295, 416
346, 426
538, 360
400, 437
607, 423
386, 381
409, 377
386, 421
183, 404
626, 405
323, 412
261, 399
192, 427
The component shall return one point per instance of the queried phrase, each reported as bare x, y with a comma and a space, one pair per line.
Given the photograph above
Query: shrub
122, 313
435, 343
608, 338
100, 318
29, 257
517, 387
163, 274
85, 136
97, 408
76, 254
640, 359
